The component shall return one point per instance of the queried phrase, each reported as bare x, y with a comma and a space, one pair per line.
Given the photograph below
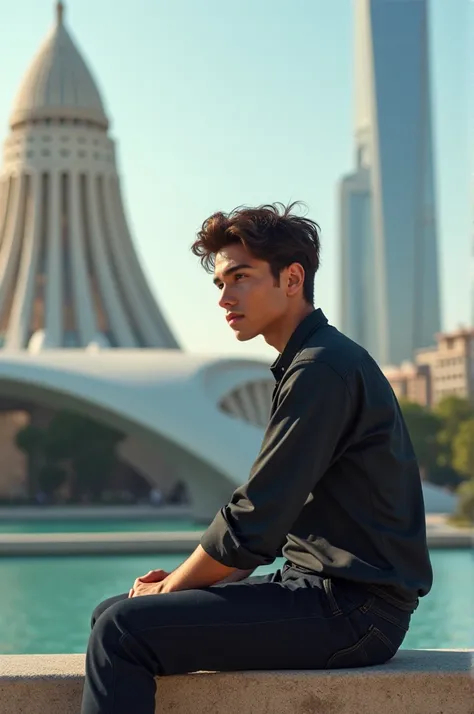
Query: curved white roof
165, 392
58, 84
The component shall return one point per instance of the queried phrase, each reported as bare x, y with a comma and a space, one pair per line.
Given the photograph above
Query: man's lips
233, 317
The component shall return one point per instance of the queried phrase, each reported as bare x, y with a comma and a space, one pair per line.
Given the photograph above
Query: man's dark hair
270, 232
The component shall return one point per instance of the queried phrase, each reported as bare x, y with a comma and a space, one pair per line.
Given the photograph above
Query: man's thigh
105, 604
259, 623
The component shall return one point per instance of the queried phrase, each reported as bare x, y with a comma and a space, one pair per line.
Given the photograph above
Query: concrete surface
123, 543
442, 534
415, 682
126, 512
174, 542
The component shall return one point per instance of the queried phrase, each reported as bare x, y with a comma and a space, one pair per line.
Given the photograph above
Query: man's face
252, 300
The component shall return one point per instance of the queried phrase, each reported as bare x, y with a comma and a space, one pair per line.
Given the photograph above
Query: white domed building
79, 326
69, 274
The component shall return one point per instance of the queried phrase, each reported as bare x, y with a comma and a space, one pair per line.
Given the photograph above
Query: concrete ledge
157, 542
126, 512
120, 543
416, 681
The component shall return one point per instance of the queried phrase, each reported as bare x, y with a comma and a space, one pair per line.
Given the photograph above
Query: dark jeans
288, 620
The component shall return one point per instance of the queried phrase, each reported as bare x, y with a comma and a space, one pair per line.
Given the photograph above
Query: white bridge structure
202, 415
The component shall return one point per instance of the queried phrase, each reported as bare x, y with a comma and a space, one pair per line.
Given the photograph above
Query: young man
336, 485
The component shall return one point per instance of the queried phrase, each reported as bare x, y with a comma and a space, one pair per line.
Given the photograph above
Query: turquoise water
45, 603
97, 526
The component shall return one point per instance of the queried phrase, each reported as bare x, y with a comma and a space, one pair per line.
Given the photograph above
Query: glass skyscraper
389, 257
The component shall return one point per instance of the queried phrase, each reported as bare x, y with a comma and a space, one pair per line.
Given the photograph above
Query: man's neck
280, 333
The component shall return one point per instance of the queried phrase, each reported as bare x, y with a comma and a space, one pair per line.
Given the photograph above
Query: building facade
443, 370
390, 299
411, 382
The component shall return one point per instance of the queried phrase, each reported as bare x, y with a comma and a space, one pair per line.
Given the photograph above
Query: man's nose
226, 300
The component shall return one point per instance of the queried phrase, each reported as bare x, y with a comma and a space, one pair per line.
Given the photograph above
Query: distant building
451, 365
411, 382
390, 300
443, 370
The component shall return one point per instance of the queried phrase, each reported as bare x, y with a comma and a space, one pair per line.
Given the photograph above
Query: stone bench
414, 682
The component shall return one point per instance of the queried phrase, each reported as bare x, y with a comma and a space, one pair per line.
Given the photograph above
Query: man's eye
238, 276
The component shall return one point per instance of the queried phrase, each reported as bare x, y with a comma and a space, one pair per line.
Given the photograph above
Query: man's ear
295, 279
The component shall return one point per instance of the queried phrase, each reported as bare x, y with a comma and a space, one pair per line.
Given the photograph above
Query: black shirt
336, 486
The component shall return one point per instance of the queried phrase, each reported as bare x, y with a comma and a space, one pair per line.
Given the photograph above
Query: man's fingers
154, 576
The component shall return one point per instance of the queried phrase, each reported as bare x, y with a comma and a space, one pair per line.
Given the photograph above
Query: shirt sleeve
304, 436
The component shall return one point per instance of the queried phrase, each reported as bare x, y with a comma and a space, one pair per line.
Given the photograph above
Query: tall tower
69, 274
389, 255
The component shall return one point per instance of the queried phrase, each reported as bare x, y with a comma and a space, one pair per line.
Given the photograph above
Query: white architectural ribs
69, 274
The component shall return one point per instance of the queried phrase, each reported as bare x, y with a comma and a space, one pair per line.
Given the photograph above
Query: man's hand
152, 577
198, 571
147, 589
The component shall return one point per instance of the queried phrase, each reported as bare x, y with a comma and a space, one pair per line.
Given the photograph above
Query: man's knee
115, 634
114, 627
105, 605
105, 627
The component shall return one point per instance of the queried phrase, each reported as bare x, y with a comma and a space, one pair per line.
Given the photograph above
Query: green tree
446, 476
423, 427
463, 449
465, 510
30, 440
92, 466
452, 412
51, 477
90, 447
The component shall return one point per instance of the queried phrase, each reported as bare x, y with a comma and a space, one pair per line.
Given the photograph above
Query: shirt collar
301, 335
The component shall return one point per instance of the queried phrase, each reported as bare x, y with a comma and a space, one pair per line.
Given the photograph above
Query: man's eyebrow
229, 271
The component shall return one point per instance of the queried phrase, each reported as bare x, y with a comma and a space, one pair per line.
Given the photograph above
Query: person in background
156, 497
335, 489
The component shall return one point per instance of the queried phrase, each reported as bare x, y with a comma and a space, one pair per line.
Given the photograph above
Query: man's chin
243, 336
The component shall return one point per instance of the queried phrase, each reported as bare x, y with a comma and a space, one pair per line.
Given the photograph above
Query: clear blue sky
216, 103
